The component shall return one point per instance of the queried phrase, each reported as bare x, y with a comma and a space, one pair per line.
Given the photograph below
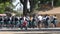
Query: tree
3, 4
34, 2
32, 6
24, 2
56, 2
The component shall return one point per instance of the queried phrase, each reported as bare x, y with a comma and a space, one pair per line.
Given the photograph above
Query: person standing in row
54, 20
40, 18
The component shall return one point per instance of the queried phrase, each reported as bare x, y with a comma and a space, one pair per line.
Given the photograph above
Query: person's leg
4, 24
54, 24
25, 27
0, 24
21, 26
16, 24
19, 23
28, 24
49, 22
33, 24
55, 21
39, 24
46, 24
11, 24
8, 24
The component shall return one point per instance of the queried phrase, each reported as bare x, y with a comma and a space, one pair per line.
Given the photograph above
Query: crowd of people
35, 21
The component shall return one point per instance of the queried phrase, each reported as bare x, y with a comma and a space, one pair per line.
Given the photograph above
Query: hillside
53, 11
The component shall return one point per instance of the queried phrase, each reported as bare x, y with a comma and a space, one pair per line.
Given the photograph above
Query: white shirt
24, 18
54, 17
40, 18
27, 17
44, 18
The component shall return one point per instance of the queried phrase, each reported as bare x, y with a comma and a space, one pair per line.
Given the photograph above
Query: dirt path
33, 32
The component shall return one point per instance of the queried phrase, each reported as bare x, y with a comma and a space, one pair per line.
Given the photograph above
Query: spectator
54, 20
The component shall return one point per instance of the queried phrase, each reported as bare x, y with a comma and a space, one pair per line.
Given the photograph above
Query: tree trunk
24, 2
31, 5
25, 7
52, 3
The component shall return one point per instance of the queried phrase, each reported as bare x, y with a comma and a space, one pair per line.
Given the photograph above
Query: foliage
3, 4
56, 2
